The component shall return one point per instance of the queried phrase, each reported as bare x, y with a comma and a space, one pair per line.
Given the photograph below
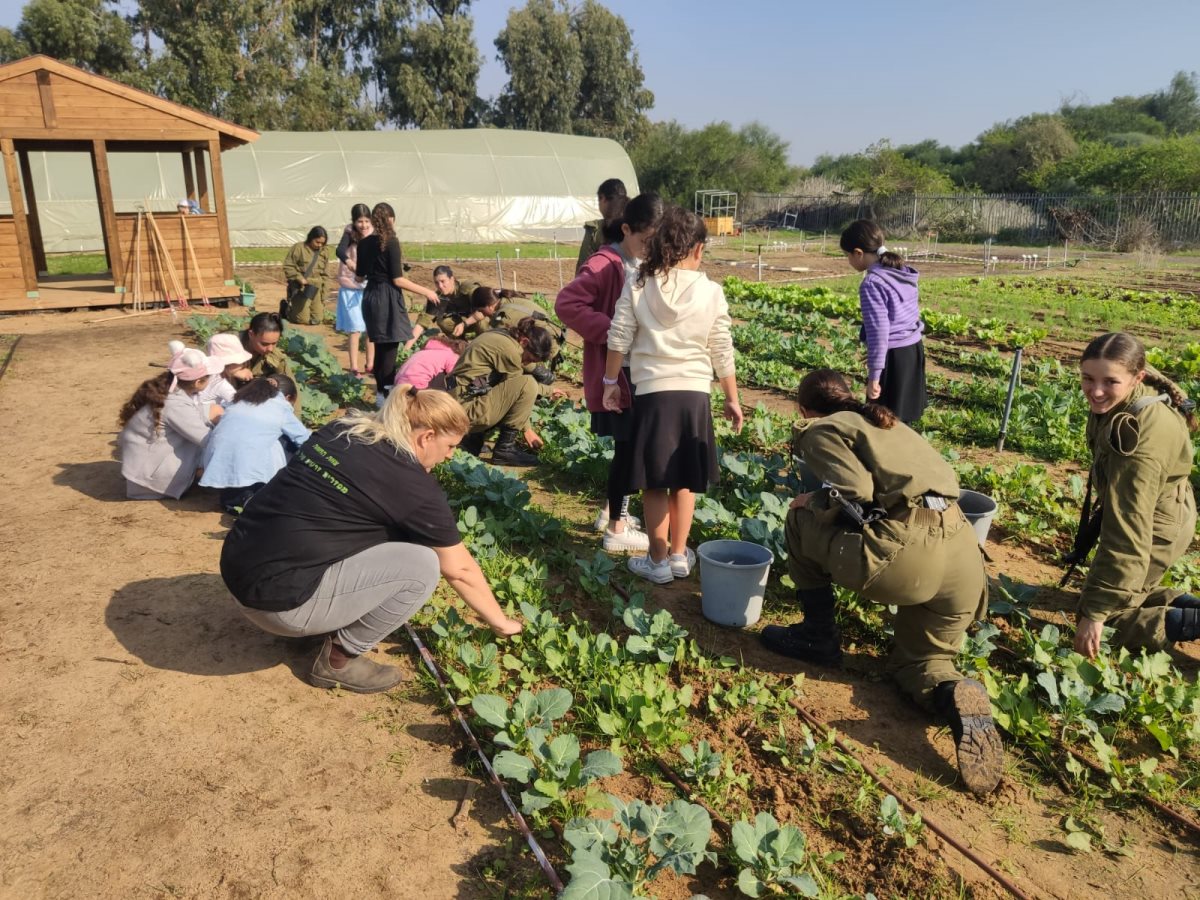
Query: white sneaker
601, 523
682, 563
626, 541
645, 567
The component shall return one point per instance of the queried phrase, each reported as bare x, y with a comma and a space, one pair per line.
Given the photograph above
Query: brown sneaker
360, 675
980, 753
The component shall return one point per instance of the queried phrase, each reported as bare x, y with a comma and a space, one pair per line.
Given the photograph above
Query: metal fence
1116, 221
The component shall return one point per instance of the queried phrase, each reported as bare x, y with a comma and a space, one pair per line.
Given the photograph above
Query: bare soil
159, 746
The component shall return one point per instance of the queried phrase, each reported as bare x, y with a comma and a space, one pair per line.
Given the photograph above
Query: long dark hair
316, 232
483, 297
640, 213
679, 230
259, 390
611, 189
824, 391
458, 345
865, 235
533, 337
1127, 351
359, 211
443, 270
153, 393
381, 218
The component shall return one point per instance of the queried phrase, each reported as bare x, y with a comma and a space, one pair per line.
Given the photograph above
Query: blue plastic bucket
733, 577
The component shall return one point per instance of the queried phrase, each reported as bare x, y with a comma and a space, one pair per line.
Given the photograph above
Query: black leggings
618, 476
385, 367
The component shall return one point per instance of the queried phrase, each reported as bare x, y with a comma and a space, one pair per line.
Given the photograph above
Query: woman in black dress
384, 313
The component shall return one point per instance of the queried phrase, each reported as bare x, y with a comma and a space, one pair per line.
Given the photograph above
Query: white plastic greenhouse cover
476, 185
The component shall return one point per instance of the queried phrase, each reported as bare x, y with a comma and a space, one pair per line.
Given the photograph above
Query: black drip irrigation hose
8, 356
538, 853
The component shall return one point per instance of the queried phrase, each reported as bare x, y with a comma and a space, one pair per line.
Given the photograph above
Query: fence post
760, 262
499, 273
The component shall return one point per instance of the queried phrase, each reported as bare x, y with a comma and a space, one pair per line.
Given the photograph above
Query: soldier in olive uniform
491, 383
503, 309
261, 341
306, 269
1142, 457
899, 538
611, 199
455, 311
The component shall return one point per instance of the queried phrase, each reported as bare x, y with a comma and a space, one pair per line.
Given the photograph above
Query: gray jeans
364, 598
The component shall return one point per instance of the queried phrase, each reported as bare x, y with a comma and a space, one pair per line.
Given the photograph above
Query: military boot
1183, 624
472, 442
506, 453
816, 639
1186, 601
966, 705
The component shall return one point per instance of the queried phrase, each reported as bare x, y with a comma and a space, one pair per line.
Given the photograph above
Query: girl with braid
1139, 431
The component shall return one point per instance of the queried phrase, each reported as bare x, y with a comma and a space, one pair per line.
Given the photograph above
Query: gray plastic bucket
733, 576
979, 510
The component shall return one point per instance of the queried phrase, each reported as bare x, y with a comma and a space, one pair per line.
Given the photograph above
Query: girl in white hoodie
674, 325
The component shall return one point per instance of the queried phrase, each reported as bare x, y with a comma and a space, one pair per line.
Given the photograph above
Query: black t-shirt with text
336, 497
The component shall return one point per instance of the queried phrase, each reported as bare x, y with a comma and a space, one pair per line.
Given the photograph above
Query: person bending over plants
491, 382
253, 440
351, 538
1144, 518
887, 525
261, 340
164, 425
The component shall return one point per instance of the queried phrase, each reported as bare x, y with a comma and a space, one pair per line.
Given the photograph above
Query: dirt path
157, 745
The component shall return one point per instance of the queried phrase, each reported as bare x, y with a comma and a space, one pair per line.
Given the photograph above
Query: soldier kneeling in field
886, 524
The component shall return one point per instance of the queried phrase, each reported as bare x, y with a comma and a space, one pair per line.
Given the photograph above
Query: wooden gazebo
46, 105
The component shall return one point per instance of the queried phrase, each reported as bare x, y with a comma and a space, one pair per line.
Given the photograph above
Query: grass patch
76, 263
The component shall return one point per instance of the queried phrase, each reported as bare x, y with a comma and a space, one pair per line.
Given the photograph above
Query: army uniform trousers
509, 403
1143, 623
925, 562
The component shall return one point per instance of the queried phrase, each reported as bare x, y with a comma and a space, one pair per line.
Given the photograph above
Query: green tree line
1129, 144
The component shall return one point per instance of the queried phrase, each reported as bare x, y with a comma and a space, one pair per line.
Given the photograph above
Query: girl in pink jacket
430, 365
586, 306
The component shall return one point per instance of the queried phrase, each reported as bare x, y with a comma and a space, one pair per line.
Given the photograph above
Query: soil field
159, 746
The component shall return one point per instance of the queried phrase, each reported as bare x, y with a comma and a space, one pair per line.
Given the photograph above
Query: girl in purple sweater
892, 325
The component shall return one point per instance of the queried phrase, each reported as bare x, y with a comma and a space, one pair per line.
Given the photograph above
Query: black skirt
384, 314
618, 426
902, 385
674, 446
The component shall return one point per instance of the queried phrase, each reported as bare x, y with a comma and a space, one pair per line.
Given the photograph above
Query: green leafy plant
528, 713
774, 858
895, 823
555, 773
709, 771
620, 857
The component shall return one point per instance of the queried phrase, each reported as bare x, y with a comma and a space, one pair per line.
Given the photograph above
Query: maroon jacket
586, 306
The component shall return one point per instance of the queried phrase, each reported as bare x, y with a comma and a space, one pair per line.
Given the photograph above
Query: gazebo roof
47, 101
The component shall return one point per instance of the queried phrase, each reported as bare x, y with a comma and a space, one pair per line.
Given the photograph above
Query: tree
676, 162
612, 100
82, 33
245, 60
430, 69
1009, 154
1177, 106
541, 54
1122, 115
888, 173
1172, 164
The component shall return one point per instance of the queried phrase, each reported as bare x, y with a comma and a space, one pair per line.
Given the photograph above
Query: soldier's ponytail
824, 392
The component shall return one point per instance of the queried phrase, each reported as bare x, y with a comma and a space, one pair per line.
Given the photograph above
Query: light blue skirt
349, 311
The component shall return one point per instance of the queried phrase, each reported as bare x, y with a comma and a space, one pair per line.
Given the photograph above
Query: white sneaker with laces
682, 563
645, 567
626, 541
601, 523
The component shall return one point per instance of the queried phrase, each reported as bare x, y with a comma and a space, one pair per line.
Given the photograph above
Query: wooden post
108, 213
189, 183
20, 222
202, 181
218, 197
35, 223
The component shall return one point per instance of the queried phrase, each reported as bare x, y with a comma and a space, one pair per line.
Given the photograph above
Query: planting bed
160, 747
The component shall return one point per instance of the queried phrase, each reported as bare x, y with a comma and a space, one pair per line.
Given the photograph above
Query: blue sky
831, 80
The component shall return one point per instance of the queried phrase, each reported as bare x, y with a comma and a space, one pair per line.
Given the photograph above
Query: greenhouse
473, 185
